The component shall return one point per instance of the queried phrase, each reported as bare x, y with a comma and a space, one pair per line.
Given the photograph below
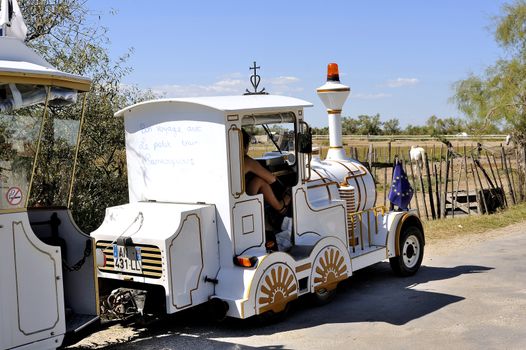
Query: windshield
20, 128
55, 163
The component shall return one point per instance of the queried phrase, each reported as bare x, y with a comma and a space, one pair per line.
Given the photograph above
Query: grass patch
474, 224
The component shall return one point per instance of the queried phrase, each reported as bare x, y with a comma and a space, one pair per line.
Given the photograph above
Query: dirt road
469, 294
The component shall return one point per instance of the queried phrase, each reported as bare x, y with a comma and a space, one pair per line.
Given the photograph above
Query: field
470, 178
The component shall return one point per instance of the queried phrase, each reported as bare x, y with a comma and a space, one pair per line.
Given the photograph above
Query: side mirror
305, 142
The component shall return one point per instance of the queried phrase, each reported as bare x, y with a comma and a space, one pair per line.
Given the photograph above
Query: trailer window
19, 132
55, 162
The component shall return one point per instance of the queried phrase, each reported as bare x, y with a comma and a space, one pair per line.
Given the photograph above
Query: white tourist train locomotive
190, 233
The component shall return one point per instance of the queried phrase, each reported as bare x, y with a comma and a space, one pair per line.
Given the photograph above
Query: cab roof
246, 103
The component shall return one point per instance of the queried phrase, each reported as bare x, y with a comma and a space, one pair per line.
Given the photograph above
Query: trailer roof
19, 64
246, 103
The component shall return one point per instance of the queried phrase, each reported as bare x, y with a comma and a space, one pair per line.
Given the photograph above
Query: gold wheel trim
277, 287
329, 269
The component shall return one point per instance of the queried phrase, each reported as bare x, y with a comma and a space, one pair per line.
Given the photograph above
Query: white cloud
220, 87
232, 84
370, 96
399, 82
283, 80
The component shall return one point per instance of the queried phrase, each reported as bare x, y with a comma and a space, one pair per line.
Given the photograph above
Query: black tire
411, 252
323, 296
271, 317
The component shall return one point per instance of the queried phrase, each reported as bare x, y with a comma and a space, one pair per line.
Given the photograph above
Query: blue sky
400, 57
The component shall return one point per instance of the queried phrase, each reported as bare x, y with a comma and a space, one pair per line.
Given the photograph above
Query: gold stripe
110, 260
45, 79
323, 179
155, 268
353, 240
95, 277
397, 235
75, 158
375, 221
303, 267
155, 262
13, 211
360, 218
325, 184
368, 228
156, 274
335, 147
37, 152
148, 255
334, 111
105, 245
333, 90
149, 273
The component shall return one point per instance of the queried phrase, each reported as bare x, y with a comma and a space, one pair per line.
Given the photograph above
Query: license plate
127, 259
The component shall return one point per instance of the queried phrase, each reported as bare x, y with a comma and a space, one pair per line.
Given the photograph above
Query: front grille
152, 262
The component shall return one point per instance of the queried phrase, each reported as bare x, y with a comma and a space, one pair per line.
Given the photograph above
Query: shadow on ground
373, 294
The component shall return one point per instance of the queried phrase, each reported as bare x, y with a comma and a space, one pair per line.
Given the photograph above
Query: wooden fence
462, 179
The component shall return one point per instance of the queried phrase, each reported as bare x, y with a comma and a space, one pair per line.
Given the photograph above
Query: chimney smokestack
333, 95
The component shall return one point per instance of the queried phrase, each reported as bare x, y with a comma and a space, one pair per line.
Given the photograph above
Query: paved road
469, 297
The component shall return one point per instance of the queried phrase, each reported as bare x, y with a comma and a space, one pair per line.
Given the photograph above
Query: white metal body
187, 202
31, 290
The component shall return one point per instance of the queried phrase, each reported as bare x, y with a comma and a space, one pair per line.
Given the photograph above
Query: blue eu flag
401, 191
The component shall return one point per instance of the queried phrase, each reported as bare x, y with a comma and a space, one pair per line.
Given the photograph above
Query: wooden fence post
419, 173
467, 181
446, 179
481, 189
507, 173
477, 194
430, 189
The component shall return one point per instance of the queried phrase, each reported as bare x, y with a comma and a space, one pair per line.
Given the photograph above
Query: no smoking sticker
14, 196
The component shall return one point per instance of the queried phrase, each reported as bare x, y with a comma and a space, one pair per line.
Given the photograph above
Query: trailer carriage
48, 286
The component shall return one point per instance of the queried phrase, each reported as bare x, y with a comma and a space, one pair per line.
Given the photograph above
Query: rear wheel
323, 296
270, 317
411, 252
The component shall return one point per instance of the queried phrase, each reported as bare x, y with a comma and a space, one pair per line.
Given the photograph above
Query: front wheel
411, 252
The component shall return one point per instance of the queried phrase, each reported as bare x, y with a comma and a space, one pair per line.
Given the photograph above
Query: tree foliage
499, 93
372, 125
68, 35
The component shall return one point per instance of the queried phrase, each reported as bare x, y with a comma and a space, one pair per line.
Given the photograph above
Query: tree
499, 94
349, 126
415, 130
67, 35
369, 125
391, 127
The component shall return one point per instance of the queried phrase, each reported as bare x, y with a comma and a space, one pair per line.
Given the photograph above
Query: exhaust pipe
333, 95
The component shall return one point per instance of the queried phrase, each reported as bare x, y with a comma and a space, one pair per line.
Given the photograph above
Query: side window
273, 145
235, 146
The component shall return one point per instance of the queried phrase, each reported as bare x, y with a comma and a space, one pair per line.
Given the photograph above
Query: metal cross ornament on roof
255, 79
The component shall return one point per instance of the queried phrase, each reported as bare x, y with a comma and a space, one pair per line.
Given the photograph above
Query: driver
260, 180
